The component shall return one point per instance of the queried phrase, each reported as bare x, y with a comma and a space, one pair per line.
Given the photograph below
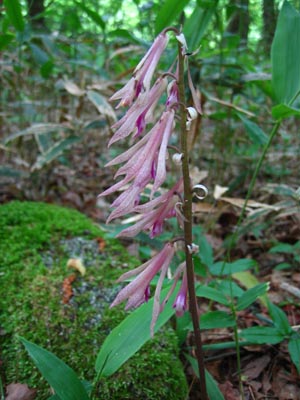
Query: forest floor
267, 370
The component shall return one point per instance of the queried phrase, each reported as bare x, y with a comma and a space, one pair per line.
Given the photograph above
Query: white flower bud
177, 158
192, 113
193, 248
181, 39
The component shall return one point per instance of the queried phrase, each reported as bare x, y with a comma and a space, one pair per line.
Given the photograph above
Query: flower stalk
145, 164
188, 237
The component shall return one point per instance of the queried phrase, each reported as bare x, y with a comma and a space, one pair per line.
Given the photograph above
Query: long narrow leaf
59, 375
280, 319
294, 350
37, 129
251, 295
129, 336
212, 387
55, 151
262, 335
92, 14
14, 13
286, 55
168, 13
212, 294
200, 18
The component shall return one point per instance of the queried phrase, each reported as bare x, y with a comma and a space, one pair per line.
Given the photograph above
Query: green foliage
285, 55
35, 244
168, 12
128, 337
60, 376
14, 13
213, 390
200, 18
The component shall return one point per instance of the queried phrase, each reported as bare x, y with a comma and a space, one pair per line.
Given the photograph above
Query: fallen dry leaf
101, 243
73, 89
256, 367
67, 288
77, 264
228, 391
19, 391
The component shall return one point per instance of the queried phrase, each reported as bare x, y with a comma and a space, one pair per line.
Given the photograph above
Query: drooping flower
138, 169
154, 213
143, 73
180, 303
137, 291
140, 113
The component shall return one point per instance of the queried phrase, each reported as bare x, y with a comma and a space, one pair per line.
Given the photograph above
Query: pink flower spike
136, 292
140, 113
144, 70
173, 94
161, 161
143, 73
154, 213
126, 94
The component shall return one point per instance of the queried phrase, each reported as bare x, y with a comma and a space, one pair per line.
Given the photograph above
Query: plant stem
235, 236
253, 180
187, 211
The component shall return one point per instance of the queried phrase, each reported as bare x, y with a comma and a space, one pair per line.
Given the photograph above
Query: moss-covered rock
36, 242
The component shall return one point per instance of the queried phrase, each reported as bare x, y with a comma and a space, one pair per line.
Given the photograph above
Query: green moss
36, 241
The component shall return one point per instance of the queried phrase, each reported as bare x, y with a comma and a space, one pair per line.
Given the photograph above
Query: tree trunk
238, 11
36, 10
269, 23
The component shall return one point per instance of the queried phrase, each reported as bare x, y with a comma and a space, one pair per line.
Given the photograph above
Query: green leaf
280, 319
282, 111
216, 319
168, 13
294, 350
14, 13
247, 279
59, 375
200, 18
130, 335
255, 133
230, 288
55, 151
212, 294
223, 268
92, 14
282, 248
251, 295
205, 251
37, 129
212, 387
101, 104
5, 39
262, 335
39, 55
285, 55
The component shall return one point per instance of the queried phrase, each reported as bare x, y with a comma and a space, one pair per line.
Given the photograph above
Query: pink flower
139, 113
154, 213
137, 291
150, 151
180, 303
143, 73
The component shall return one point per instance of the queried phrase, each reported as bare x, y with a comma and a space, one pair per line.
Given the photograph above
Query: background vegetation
60, 62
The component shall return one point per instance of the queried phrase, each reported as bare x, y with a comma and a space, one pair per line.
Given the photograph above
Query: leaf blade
168, 13
58, 374
285, 55
130, 335
14, 13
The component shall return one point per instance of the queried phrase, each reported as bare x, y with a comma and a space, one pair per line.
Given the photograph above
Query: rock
68, 313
